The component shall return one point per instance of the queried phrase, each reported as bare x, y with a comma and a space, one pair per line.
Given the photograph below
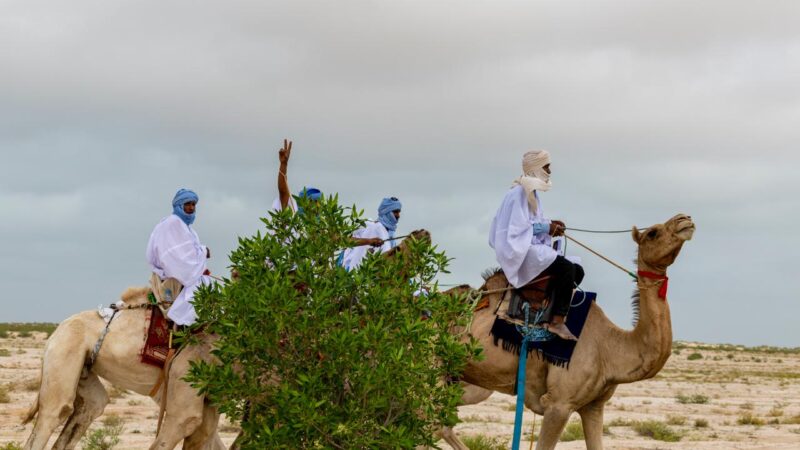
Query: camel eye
652, 234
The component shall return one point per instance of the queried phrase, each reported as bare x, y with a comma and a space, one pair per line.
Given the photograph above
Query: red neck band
662, 292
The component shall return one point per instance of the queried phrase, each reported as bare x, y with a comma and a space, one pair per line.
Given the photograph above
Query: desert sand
711, 396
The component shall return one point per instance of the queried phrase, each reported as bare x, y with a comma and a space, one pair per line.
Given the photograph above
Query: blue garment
386, 215
310, 193
182, 197
541, 228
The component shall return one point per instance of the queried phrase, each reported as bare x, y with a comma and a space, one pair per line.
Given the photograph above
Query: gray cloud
649, 108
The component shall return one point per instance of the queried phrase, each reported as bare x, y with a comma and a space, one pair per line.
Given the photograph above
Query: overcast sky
649, 108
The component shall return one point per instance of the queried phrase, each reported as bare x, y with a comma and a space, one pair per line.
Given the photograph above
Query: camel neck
645, 349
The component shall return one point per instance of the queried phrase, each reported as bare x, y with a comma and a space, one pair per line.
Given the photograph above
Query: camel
605, 355
69, 392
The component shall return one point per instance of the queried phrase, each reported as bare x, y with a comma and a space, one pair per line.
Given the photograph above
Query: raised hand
285, 152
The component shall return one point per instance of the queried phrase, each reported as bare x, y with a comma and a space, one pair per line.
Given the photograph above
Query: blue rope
530, 333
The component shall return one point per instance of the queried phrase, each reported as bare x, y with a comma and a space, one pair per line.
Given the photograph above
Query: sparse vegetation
11, 446
657, 430
28, 328
105, 438
676, 420
775, 412
4, 352
696, 399
749, 419
694, 357
701, 423
572, 432
113, 420
620, 422
31, 384
481, 442
115, 392
4, 397
792, 420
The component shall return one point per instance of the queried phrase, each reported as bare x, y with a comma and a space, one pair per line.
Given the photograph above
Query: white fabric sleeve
181, 254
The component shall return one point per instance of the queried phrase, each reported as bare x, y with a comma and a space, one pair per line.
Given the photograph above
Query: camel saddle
535, 294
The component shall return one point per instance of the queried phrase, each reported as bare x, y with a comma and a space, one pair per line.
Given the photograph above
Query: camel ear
635, 234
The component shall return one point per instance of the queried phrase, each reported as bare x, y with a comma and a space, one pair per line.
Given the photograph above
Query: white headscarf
534, 177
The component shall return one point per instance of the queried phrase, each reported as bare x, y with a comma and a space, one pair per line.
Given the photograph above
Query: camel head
660, 244
416, 235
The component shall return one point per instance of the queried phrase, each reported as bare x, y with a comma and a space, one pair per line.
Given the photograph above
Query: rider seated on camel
521, 236
378, 233
177, 259
285, 199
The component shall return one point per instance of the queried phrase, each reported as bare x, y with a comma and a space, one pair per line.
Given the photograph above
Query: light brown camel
605, 354
69, 392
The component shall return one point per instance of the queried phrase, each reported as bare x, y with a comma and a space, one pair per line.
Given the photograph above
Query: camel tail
32, 411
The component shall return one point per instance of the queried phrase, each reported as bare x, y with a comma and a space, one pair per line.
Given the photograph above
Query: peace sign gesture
285, 152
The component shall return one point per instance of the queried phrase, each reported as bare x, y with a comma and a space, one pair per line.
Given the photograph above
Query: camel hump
135, 296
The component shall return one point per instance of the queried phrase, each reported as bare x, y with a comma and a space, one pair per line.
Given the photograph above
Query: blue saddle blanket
556, 351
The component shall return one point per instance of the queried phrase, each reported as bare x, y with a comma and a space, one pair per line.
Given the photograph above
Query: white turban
534, 177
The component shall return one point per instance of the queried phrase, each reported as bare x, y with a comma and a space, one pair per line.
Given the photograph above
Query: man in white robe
377, 235
174, 251
521, 236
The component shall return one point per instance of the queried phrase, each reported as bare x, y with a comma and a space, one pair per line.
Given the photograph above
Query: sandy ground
752, 402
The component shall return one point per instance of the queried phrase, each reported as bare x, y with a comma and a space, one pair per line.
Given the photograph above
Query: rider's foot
561, 330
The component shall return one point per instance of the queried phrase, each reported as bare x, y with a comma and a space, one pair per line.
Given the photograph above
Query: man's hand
376, 242
557, 228
285, 152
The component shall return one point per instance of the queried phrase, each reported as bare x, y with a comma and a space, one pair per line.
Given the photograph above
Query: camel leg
185, 409
61, 371
449, 436
90, 401
592, 420
555, 417
205, 432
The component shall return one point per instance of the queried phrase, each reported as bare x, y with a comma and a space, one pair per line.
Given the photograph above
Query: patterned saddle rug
156, 339
556, 351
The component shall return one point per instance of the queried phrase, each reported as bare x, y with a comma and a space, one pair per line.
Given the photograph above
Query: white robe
354, 256
276, 204
174, 251
521, 254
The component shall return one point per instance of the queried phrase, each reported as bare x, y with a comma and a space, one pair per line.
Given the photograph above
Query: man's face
189, 207
396, 213
547, 168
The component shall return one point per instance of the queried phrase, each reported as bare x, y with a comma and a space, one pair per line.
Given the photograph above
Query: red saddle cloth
156, 340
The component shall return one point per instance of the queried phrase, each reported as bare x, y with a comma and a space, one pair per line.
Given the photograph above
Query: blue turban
181, 197
310, 193
386, 216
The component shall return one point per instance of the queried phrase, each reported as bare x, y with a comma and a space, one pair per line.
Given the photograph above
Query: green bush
481, 442
694, 356
313, 356
4, 352
11, 446
105, 438
657, 430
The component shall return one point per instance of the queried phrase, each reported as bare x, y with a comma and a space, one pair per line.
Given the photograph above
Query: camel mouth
685, 229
